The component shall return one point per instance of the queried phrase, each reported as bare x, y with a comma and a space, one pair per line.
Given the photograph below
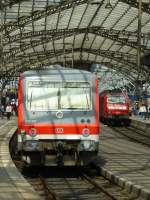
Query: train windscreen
45, 96
116, 99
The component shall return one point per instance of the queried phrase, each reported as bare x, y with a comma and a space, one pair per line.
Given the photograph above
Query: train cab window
45, 96
75, 98
116, 99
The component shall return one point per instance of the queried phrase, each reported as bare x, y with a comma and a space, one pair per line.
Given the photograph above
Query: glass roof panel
32, 28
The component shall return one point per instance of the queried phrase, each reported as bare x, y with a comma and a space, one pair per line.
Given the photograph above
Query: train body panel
58, 106
114, 107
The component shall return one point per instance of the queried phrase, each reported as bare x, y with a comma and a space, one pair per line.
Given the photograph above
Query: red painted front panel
67, 128
51, 128
115, 111
20, 103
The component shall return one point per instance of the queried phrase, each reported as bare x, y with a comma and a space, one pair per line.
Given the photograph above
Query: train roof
60, 73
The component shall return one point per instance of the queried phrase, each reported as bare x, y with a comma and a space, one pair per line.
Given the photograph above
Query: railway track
133, 134
44, 190
55, 183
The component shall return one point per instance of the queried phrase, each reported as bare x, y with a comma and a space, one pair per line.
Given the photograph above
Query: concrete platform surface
126, 163
138, 118
12, 183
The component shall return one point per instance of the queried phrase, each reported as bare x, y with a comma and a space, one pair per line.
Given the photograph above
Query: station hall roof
36, 33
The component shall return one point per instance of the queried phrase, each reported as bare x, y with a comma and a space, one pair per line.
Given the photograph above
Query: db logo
59, 130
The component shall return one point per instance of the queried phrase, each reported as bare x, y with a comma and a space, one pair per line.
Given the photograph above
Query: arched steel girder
125, 57
120, 68
131, 66
12, 53
116, 56
36, 15
51, 54
134, 3
113, 83
51, 9
119, 36
42, 62
78, 64
32, 44
113, 55
52, 34
48, 54
9, 3
6, 76
127, 70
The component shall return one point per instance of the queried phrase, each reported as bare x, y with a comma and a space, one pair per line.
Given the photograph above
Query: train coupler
60, 154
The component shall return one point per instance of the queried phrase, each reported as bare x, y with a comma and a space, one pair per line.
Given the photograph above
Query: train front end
117, 108
58, 117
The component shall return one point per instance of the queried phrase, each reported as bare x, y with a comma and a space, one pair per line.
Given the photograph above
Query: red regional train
58, 117
114, 107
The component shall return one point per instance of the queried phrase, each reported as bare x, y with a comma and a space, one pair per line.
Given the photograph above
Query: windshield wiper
31, 99
88, 106
59, 98
69, 108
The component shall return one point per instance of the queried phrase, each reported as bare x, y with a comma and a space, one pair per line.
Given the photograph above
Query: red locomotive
58, 116
114, 107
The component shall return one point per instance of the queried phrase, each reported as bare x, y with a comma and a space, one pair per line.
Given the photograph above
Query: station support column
138, 89
1, 35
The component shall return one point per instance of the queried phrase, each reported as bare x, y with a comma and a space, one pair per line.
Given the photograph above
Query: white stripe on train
60, 137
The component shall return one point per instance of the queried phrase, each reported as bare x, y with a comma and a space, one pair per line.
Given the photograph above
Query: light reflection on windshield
54, 96
116, 99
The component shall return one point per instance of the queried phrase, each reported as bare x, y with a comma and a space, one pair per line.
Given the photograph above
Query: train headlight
23, 133
111, 107
87, 144
85, 132
124, 107
32, 132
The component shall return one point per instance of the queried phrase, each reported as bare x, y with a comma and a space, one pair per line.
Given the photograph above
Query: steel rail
50, 194
100, 187
133, 135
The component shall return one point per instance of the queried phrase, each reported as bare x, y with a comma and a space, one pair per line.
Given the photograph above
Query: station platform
125, 162
12, 183
141, 124
139, 119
